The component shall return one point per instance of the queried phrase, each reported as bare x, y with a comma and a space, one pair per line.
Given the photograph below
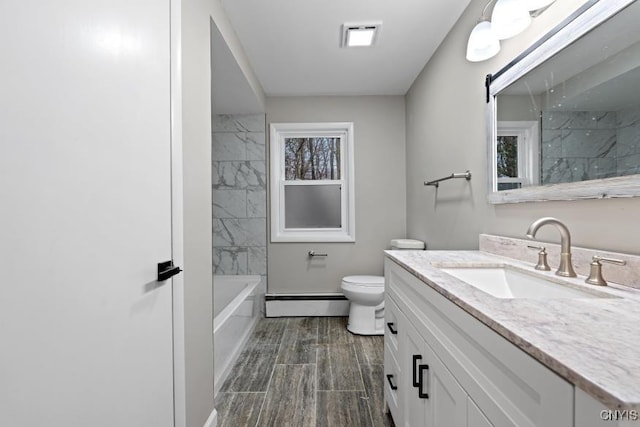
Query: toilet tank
407, 244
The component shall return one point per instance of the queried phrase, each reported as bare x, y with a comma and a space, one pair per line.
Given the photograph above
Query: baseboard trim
212, 421
294, 305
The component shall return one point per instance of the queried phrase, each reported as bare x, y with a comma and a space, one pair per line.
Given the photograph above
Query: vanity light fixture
508, 18
483, 43
536, 6
360, 34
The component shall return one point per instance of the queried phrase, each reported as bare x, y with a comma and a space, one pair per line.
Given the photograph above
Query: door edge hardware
167, 270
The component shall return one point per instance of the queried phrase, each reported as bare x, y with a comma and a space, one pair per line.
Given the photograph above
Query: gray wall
445, 110
196, 139
197, 18
379, 129
239, 195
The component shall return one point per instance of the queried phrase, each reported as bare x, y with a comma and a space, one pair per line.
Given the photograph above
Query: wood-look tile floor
305, 372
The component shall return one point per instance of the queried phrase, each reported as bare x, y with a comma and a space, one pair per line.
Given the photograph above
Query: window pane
312, 206
507, 156
311, 158
509, 186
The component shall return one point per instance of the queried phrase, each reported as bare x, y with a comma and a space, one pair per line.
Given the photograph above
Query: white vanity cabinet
451, 370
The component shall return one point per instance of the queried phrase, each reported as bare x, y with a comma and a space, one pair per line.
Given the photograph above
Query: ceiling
294, 48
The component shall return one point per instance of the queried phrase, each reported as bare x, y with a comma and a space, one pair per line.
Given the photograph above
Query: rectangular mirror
563, 119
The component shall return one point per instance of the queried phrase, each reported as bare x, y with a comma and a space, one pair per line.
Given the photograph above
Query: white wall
379, 123
196, 136
446, 133
197, 17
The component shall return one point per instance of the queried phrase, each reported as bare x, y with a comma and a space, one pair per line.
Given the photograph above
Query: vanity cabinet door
433, 397
475, 417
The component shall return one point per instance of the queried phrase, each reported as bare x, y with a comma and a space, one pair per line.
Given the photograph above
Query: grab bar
313, 253
466, 175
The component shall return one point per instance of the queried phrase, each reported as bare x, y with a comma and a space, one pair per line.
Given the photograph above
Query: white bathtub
236, 310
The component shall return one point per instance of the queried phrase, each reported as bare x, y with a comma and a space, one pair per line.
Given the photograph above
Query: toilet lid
368, 281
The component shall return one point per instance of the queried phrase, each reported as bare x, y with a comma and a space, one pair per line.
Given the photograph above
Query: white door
85, 205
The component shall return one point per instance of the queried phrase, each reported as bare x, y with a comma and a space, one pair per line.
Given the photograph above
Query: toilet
366, 296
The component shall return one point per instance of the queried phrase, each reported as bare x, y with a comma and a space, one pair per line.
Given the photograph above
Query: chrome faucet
566, 267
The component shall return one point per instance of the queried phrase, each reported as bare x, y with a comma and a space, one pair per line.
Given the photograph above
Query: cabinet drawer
392, 383
391, 323
510, 387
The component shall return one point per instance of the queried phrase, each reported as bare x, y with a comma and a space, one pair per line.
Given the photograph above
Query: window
312, 182
517, 155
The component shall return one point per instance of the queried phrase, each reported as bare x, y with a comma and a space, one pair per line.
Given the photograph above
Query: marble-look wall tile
257, 261
239, 123
629, 140
237, 146
564, 170
579, 145
239, 232
230, 260
257, 203
239, 175
229, 203
229, 146
579, 120
255, 144
629, 165
628, 117
589, 143
552, 143
602, 168
239, 194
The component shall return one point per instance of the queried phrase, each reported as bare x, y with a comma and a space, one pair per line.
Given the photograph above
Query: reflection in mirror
576, 116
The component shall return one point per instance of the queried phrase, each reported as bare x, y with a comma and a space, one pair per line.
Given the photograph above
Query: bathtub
236, 310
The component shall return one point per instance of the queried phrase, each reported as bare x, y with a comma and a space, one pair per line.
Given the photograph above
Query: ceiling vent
360, 34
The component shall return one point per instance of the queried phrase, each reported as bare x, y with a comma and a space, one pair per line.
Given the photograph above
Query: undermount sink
505, 282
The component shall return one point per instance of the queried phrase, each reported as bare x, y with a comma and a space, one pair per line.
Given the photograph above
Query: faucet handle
542, 258
595, 274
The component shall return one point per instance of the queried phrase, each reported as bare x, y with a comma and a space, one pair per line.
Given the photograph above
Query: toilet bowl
366, 308
366, 296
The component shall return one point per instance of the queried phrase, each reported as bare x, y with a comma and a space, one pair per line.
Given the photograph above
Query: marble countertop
592, 343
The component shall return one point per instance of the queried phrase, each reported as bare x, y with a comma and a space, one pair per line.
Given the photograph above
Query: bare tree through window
315, 158
507, 156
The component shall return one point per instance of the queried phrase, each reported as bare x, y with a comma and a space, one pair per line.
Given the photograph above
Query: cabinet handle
393, 387
391, 328
422, 381
415, 380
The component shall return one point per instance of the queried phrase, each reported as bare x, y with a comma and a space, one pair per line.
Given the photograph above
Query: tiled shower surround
584, 145
239, 195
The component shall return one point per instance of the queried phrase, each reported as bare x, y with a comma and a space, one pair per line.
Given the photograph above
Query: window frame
527, 133
278, 133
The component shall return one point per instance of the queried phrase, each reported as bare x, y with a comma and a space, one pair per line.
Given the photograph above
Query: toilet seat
364, 281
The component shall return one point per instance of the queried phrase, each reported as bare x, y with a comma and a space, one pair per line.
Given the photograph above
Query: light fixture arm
484, 10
